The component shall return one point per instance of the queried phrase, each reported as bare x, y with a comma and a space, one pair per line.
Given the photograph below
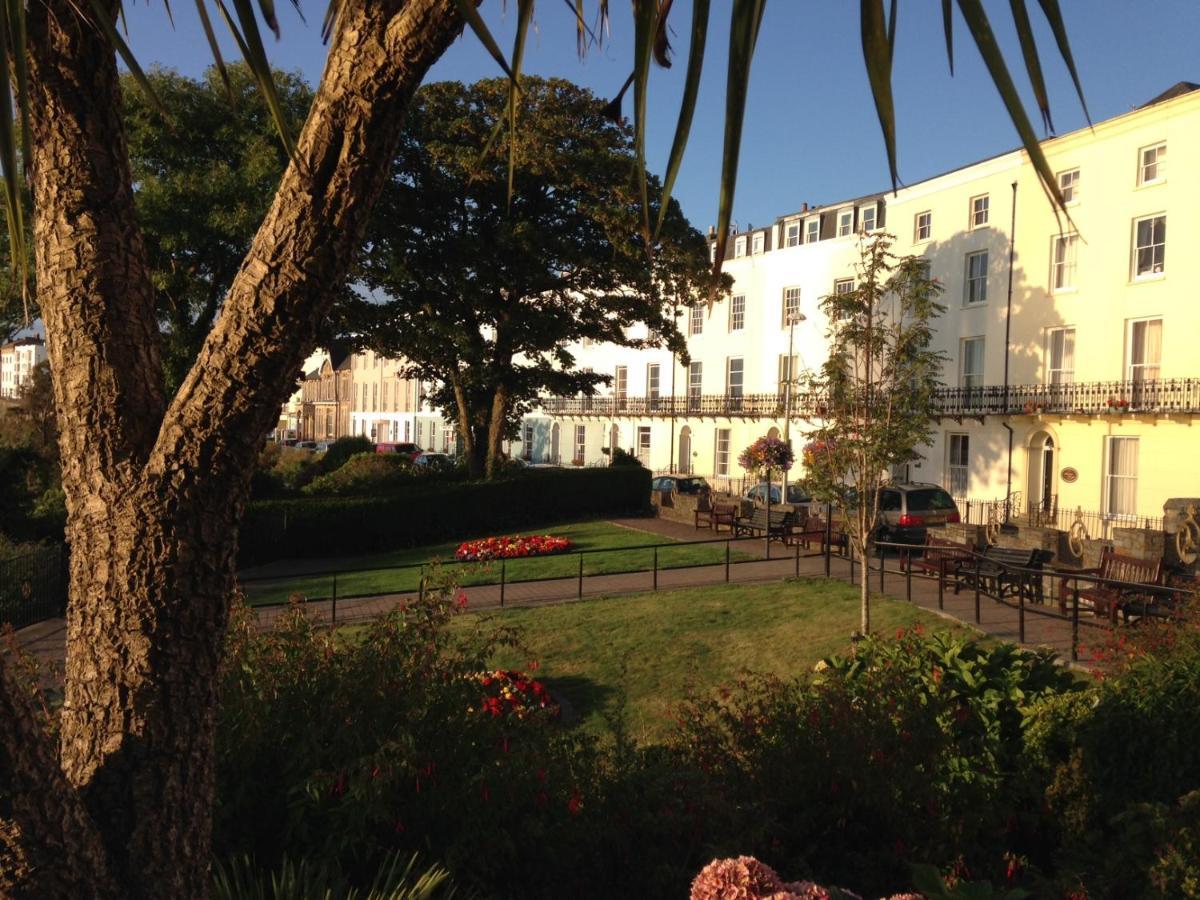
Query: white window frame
845, 221
739, 247
958, 473
979, 211
971, 380
1136, 372
971, 296
812, 229
737, 312
1111, 498
793, 233
721, 447
580, 451
1064, 267
791, 305
643, 431
1158, 164
653, 380
730, 391
695, 382
927, 227
843, 285
621, 383
1161, 269
696, 321
863, 211
1064, 372
758, 242
786, 367
1068, 185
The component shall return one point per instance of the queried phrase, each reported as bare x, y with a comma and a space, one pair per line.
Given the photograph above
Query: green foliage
240, 879
199, 202
341, 450
624, 458
429, 510
904, 750
365, 473
487, 291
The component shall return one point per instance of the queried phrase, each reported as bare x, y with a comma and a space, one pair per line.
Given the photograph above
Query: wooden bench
716, 516
1003, 571
1109, 599
812, 530
778, 526
939, 558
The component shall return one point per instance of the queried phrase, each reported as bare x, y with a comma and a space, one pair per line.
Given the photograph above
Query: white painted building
1077, 387
17, 361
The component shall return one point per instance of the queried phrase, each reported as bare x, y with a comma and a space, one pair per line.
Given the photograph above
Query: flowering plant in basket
512, 547
767, 453
511, 693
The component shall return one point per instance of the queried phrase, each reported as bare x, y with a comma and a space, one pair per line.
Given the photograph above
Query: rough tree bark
497, 423
154, 494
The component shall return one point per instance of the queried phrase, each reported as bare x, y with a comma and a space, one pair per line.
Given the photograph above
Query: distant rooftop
1176, 90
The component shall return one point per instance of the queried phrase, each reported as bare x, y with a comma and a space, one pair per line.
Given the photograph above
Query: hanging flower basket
767, 453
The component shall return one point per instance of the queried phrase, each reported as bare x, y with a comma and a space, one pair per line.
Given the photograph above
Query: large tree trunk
497, 424
473, 448
155, 496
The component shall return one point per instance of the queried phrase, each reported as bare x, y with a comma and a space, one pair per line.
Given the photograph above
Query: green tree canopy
483, 293
203, 183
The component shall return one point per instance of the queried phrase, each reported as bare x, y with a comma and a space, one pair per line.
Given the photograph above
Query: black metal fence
33, 585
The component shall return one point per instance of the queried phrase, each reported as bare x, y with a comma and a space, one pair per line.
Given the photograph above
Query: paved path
998, 620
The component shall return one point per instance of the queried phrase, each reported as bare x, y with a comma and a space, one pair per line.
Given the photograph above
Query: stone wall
678, 507
961, 532
1140, 543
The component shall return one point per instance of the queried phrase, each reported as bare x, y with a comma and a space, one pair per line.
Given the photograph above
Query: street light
787, 390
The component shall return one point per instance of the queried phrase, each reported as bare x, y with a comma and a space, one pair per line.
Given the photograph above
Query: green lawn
643, 651
371, 578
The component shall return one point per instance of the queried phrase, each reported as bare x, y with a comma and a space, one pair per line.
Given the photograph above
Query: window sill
1148, 279
981, 304
1064, 290
1149, 184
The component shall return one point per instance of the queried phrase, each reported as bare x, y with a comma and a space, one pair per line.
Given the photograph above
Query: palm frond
878, 36
687, 105
1033, 65
743, 35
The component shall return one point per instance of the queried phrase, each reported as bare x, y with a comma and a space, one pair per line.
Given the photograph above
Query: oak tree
488, 273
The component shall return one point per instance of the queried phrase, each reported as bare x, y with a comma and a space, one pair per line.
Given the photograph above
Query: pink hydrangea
745, 878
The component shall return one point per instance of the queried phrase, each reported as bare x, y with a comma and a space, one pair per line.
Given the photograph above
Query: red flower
575, 804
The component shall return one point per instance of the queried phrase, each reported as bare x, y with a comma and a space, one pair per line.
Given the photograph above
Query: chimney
712, 231
804, 206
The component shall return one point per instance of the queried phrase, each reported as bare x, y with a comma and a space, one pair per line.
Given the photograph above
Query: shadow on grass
578, 696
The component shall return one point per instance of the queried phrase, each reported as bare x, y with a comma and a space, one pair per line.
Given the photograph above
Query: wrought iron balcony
1157, 397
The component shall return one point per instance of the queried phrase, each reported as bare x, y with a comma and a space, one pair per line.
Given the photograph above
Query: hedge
424, 513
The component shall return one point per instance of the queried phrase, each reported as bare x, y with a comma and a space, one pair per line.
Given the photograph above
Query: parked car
306, 445
406, 447
322, 446
907, 510
433, 460
680, 484
758, 494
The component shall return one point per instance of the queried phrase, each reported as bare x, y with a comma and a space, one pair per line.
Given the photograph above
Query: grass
638, 655
374, 574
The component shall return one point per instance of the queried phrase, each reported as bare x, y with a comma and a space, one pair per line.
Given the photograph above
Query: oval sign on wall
1070, 475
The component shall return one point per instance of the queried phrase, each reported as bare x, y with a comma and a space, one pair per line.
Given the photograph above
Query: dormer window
757, 243
739, 247
791, 233
845, 222
812, 230
866, 218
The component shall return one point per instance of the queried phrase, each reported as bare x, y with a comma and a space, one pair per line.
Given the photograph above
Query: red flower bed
511, 548
511, 693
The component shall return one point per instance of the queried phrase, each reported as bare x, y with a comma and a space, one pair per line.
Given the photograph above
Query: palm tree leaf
211, 37
645, 14
103, 19
1033, 65
743, 34
267, 8
877, 54
989, 50
687, 105
15, 10
467, 9
948, 28
1054, 16
250, 42
524, 17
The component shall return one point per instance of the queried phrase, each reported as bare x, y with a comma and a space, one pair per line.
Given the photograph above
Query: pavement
1032, 626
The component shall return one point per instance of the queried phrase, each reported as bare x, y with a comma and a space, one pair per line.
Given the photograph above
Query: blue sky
811, 132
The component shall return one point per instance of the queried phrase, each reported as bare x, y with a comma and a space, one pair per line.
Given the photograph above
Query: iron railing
33, 585
1162, 396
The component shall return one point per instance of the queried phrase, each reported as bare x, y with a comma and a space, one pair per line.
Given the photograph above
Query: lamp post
787, 391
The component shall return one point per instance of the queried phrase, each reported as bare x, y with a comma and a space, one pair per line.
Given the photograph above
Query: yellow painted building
1072, 378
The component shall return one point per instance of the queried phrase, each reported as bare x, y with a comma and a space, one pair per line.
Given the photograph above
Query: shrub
430, 510
342, 449
624, 458
364, 473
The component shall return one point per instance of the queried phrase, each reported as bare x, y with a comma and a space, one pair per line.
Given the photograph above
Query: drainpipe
1012, 250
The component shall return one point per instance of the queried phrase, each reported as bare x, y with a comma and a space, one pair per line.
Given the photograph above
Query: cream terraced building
1072, 377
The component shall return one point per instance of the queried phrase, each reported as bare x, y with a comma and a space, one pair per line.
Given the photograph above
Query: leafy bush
905, 750
364, 473
342, 449
430, 510
624, 458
